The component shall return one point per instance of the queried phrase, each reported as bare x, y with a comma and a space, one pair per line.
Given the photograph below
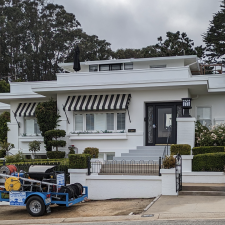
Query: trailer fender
43, 196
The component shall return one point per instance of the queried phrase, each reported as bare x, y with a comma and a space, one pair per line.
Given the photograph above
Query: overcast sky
138, 23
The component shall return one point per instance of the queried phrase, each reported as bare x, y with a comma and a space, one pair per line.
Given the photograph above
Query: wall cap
186, 119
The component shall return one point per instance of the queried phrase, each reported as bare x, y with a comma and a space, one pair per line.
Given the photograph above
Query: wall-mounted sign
131, 130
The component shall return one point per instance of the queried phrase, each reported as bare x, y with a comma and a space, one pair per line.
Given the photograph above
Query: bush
55, 134
213, 137
183, 149
55, 154
209, 162
2, 153
34, 146
207, 149
169, 162
93, 152
19, 157
78, 161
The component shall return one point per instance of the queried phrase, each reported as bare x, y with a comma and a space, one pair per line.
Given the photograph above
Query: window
120, 121
93, 68
107, 67
128, 66
157, 66
204, 116
31, 126
100, 121
78, 122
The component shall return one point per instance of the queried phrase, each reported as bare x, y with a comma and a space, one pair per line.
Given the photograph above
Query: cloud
137, 24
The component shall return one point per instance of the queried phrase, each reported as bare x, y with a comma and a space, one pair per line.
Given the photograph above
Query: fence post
89, 166
159, 165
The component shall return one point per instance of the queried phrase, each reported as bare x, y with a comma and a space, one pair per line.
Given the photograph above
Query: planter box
100, 136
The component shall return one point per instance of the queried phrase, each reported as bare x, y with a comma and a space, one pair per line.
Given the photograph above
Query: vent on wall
157, 66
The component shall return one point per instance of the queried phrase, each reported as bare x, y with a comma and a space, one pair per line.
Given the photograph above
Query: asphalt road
172, 222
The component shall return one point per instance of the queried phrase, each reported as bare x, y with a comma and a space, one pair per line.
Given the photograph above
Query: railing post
160, 165
89, 166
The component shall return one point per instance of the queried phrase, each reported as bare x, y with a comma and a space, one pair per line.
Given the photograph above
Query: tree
214, 38
4, 87
35, 37
91, 48
34, 146
4, 118
47, 119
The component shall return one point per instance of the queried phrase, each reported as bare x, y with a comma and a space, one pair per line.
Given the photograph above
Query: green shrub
19, 157
182, 149
93, 152
34, 146
55, 134
78, 161
2, 153
169, 162
207, 149
71, 150
55, 154
209, 162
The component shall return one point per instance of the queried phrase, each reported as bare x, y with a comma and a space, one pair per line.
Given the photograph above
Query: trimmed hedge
56, 143
209, 162
55, 154
182, 149
2, 153
78, 161
207, 149
93, 152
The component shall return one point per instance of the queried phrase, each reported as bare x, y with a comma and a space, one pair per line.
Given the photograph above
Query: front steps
203, 189
143, 153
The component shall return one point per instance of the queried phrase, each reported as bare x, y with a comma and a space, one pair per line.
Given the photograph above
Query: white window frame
196, 114
94, 112
28, 118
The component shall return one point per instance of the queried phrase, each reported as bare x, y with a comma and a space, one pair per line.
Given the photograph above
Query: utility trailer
38, 194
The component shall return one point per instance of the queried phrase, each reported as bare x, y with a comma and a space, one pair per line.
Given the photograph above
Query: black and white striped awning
26, 109
97, 102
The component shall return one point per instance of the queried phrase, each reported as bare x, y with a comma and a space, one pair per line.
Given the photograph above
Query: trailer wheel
35, 206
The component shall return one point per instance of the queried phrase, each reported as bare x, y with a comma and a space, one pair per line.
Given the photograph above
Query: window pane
128, 66
89, 121
116, 67
93, 68
79, 122
36, 127
204, 116
110, 121
203, 113
104, 67
120, 121
29, 126
100, 121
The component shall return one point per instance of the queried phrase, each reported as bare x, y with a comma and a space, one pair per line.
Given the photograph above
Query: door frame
163, 104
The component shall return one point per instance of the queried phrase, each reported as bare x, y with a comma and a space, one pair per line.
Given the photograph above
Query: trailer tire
35, 206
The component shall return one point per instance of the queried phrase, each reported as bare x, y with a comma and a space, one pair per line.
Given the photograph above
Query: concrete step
147, 154
152, 147
137, 158
203, 193
143, 152
203, 189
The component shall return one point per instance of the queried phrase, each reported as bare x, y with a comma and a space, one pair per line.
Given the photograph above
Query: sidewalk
188, 207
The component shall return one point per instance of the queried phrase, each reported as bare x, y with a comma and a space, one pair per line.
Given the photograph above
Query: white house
117, 105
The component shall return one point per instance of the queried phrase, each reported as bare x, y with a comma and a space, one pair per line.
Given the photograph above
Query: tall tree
91, 48
214, 38
35, 37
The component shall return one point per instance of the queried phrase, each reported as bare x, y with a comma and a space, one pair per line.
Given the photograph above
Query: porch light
186, 105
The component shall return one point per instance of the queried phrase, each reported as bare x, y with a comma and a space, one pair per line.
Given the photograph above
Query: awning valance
26, 109
97, 102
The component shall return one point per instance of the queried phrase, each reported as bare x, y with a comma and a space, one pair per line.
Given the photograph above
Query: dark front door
161, 123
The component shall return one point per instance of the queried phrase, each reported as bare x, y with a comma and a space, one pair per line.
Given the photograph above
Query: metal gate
178, 172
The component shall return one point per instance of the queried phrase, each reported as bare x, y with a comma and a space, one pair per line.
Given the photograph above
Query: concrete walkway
188, 207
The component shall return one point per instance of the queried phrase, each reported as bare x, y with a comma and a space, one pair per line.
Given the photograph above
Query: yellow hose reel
12, 184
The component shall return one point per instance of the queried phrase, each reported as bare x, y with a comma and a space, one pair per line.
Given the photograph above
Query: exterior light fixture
186, 105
